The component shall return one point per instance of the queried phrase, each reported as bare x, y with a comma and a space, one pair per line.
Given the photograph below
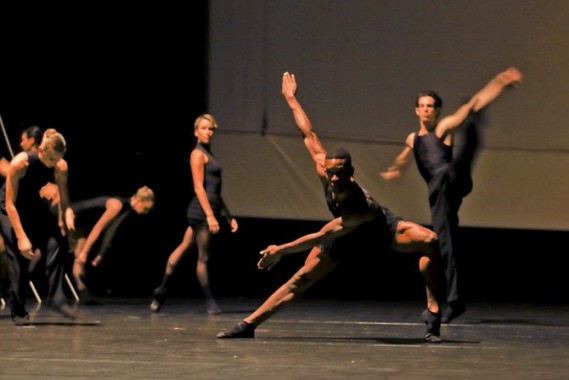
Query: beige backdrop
359, 65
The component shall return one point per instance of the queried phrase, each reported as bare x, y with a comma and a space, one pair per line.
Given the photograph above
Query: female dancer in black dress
204, 212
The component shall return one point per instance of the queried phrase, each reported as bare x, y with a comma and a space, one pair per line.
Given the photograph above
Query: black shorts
374, 236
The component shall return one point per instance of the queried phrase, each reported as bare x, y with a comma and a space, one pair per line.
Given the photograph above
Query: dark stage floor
312, 339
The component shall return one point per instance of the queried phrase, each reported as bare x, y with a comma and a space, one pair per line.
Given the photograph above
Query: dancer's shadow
526, 322
62, 323
374, 340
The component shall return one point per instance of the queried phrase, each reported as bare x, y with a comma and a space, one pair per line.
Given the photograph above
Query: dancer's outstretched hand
270, 257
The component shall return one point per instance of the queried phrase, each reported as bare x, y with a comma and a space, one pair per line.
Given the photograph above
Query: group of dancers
37, 217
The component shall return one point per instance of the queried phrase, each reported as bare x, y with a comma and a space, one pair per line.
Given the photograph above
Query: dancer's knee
424, 264
171, 266
299, 283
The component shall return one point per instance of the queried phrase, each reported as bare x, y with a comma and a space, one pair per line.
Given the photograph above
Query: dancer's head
31, 138
339, 169
52, 147
143, 200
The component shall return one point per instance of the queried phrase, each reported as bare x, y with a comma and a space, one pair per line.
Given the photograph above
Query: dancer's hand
511, 76
97, 260
270, 257
50, 192
25, 248
289, 85
212, 224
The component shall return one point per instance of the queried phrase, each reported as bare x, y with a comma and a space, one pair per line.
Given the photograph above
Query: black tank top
380, 230
28, 202
212, 186
359, 200
431, 155
35, 213
212, 178
97, 203
87, 210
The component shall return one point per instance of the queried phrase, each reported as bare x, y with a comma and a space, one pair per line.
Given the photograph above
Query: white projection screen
359, 65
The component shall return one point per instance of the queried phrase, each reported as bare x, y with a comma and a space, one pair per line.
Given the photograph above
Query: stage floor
311, 339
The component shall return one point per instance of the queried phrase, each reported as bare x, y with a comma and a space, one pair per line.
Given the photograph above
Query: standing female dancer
203, 214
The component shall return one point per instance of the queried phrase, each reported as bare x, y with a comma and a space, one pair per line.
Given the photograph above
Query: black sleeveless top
431, 155
212, 186
87, 213
97, 202
28, 201
35, 213
88, 210
380, 230
359, 200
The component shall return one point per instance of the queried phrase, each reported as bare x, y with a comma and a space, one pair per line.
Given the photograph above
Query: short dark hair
34, 132
340, 154
432, 94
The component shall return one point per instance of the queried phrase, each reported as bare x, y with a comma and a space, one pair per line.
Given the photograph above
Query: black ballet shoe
160, 294
22, 321
19, 315
433, 326
241, 330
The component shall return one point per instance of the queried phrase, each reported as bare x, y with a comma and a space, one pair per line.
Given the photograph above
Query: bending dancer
203, 215
357, 216
115, 210
28, 223
448, 177
30, 140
